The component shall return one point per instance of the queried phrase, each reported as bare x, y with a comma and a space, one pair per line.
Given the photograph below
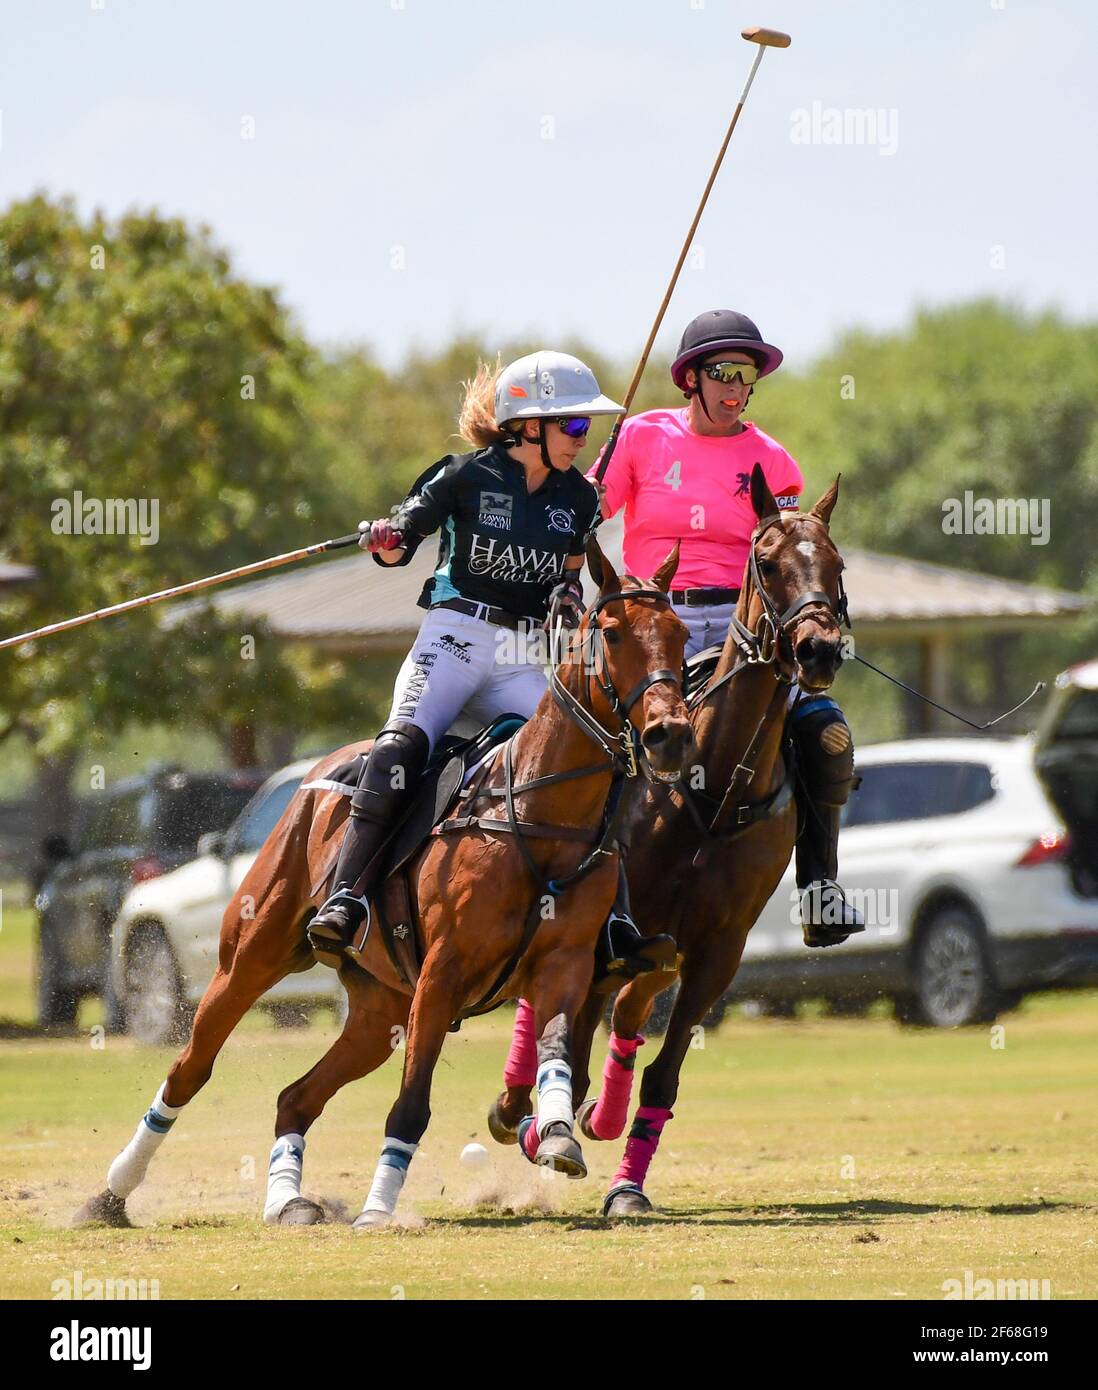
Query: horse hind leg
370, 1035
255, 955
520, 1072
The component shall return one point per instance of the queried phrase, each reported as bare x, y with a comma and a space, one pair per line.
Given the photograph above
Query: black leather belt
499, 616
701, 598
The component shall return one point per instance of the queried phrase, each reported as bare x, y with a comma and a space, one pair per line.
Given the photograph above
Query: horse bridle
762, 647
624, 748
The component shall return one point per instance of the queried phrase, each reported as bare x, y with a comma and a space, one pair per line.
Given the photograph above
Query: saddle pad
434, 797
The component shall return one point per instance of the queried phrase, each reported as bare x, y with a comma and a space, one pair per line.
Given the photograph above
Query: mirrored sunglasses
727, 372
575, 426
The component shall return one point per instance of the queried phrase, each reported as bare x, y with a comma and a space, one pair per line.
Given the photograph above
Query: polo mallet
339, 543
765, 38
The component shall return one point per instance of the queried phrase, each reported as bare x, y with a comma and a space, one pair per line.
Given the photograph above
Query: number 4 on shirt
673, 476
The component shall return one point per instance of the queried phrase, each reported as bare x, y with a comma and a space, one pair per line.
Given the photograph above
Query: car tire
154, 1006
57, 1006
952, 981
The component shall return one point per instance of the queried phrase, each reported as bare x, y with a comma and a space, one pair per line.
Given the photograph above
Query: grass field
820, 1158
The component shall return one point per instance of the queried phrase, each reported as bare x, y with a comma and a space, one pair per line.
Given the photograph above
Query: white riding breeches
461, 666
708, 625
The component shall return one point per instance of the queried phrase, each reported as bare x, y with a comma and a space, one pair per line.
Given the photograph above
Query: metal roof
352, 602
16, 574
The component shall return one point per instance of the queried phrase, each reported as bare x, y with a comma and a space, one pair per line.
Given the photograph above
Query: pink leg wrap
640, 1148
608, 1117
531, 1141
522, 1061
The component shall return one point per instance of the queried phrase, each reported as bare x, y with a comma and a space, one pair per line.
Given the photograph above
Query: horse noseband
619, 705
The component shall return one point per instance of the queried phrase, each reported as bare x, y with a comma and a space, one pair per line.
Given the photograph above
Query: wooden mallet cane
765, 38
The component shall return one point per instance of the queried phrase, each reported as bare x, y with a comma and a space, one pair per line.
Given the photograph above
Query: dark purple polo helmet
716, 330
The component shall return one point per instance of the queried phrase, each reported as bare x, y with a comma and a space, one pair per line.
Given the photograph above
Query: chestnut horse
703, 868
500, 904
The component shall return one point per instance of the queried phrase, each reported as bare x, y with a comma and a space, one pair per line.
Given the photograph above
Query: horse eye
768, 568
611, 636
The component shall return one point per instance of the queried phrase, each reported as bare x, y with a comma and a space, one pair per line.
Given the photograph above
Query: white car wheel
156, 1011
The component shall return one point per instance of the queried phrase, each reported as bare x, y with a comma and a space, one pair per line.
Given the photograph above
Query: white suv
960, 865
164, 941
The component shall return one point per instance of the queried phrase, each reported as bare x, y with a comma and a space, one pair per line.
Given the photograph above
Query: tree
135, 366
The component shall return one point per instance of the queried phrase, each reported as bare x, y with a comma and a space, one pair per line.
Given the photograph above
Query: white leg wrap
554, 1095
284, 1174
131, 1165
389, 1175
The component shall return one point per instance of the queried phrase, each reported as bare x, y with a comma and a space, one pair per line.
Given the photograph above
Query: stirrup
632, 954
827, 919
329, 939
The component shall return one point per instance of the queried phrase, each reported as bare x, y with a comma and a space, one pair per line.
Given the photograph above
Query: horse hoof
105, 1209
301, 1212
562, 1153
583, 1116
626, 1202
371, 1220
498, 1127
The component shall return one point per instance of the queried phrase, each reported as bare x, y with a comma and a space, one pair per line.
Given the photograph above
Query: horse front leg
704, 980
604, 1116
250, 964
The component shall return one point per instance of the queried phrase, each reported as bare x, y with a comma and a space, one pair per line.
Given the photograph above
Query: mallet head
769, 38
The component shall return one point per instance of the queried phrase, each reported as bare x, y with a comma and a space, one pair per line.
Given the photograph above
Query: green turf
815, 1158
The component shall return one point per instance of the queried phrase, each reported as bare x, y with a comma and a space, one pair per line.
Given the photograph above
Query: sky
407, 170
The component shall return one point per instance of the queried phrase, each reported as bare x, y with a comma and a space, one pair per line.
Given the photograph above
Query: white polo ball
474, 1155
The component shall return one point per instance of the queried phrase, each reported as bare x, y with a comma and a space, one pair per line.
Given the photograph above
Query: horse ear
602, 571
762, 499
666, 572
826, 505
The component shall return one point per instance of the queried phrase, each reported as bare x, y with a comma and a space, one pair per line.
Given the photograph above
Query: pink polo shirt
678, 485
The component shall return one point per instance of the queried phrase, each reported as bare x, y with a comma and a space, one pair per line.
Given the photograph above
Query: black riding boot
392, 771
825, 779
622, 952
826, 917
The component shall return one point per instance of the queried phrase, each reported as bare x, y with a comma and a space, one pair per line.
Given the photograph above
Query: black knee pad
825, 753
397, 759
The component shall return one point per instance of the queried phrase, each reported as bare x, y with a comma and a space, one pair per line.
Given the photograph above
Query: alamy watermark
847, 125
107, 516
79, 1289
997, 516
968, 1286
879, 907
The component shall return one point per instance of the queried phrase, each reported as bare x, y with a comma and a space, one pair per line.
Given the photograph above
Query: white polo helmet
547, 384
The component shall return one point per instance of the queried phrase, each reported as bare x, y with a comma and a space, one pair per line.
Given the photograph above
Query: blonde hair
477, 420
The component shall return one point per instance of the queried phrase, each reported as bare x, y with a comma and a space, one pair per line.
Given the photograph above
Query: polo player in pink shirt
683, 475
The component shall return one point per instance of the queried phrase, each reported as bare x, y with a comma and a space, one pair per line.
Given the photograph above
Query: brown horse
702, 867
495, 896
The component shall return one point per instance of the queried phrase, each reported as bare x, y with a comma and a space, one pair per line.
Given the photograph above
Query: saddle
438, 790
700, 668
